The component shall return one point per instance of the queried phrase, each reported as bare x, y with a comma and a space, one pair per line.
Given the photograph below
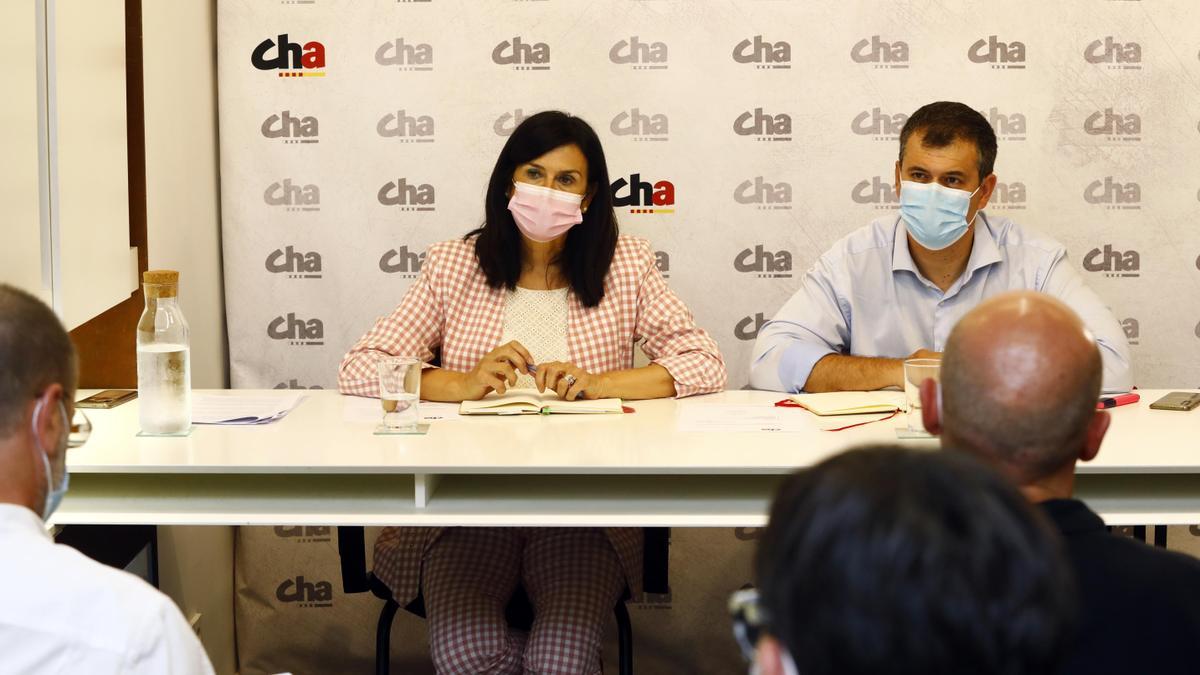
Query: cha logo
293, 197
295, 384
765, 55
291, 129
522, 56
764, 126
1114, 125
298, 332
1010, 196
878, 124
305, 535
402, 261
1112, 262
1115, 55
406, 128
1133, 331
763, 263
306, 594
290, 58
639, 55
295, 264
882, 54
405, 56
644, 196
877, 191
662, 260
1001, 55
747, 329
420, 197
764, 195
1008, 127
640, 126
508, 122
1113, 195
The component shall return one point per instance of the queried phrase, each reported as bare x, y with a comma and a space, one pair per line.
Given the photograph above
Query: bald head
1020, 379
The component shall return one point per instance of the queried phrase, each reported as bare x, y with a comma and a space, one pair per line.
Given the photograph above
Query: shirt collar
1072, 516
18, 518
984, 250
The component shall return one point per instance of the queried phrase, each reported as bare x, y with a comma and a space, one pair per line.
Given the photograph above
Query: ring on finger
570, 379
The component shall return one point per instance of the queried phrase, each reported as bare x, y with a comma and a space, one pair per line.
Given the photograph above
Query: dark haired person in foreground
887, 561
546, 294
896, 287
1019, 380
62, 612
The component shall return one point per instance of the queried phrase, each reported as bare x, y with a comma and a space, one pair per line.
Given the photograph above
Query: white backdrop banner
744, 137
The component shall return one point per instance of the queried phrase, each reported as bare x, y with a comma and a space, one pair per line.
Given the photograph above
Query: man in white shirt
62, 612
894, 289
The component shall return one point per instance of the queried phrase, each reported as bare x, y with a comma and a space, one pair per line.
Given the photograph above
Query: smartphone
1177, 400
109, 398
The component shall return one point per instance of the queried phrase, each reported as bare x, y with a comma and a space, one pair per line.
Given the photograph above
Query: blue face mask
54, 495
935, 215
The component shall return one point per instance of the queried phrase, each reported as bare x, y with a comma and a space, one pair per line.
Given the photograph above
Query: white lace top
538, 320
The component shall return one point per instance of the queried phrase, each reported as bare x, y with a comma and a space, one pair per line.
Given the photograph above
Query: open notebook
851, 402
530, 402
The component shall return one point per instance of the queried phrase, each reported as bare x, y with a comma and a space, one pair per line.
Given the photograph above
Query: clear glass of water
399, 392
917, 371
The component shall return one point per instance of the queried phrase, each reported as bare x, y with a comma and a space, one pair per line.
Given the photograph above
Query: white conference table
322, 465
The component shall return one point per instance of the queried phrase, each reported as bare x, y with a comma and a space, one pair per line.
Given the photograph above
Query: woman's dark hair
903, 562
590, 245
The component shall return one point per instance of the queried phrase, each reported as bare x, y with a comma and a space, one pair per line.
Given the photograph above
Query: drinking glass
917, 371
399, 392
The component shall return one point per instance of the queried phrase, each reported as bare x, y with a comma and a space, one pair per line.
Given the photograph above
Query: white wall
20, 229
184, 233
182, 184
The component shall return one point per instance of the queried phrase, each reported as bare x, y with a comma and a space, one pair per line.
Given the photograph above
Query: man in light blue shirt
894, 289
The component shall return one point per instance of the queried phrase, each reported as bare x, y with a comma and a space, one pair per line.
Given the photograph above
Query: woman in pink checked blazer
545, 295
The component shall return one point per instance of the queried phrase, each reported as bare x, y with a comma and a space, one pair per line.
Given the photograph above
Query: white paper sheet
718, 418
238, 408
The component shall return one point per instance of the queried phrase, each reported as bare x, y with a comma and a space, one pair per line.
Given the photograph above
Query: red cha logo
639, 194
290, 56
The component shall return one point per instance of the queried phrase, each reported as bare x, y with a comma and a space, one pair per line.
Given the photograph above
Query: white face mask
54, 494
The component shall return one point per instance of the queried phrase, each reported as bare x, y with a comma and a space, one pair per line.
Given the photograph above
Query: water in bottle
164, 369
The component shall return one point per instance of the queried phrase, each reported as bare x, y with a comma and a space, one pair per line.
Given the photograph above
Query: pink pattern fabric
451, 311
573, 580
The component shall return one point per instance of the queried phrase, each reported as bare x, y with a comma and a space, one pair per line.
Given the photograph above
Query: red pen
1118, 400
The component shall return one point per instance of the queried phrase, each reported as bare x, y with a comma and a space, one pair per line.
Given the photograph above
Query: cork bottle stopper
161, 283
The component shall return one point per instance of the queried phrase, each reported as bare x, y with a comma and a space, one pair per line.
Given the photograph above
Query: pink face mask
544, 214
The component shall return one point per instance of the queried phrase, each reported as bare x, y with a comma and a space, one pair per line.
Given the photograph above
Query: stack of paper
236, 408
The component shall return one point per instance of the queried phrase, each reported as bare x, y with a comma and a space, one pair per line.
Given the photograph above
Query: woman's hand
496, 372
570, 381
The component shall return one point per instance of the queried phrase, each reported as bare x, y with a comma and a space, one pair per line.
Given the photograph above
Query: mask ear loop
969, 223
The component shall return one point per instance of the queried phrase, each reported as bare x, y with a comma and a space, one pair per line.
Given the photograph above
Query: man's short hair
35, 352
891, 561
944, 122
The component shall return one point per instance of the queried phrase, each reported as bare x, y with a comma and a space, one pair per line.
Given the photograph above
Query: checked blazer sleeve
414, 329
672, 339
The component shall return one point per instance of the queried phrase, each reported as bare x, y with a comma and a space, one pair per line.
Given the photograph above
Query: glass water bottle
163, 363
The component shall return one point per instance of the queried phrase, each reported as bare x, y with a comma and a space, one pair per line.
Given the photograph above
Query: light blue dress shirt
865, 297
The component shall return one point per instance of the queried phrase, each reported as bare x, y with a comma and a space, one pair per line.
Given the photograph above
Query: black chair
519, 612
